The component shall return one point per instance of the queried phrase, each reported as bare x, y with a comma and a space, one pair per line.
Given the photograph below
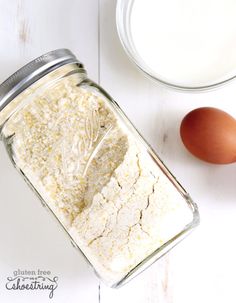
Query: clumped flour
109, 194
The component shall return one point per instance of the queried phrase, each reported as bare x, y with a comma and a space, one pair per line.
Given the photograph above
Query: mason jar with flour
73, 145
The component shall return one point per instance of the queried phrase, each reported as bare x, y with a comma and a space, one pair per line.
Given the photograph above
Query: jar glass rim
33, 71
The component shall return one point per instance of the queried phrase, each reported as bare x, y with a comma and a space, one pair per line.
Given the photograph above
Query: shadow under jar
119, 204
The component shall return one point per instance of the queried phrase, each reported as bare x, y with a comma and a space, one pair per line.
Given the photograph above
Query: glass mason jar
116, 200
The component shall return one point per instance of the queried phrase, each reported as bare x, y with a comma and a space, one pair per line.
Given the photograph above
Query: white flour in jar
102, 185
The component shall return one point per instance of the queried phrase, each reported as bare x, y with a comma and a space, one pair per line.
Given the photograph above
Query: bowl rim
122, 7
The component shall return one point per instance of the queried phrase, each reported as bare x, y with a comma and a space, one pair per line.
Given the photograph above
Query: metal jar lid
32, 72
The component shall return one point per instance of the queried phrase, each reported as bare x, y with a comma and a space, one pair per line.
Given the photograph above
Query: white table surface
200, 269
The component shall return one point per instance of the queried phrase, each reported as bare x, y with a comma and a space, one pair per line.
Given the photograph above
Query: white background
202, 268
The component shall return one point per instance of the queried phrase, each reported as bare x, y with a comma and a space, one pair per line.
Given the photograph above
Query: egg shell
210, 135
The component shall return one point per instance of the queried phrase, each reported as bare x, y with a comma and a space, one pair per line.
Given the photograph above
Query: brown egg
210, 135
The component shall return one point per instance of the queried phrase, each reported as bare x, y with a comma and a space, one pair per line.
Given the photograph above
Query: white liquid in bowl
185, 42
